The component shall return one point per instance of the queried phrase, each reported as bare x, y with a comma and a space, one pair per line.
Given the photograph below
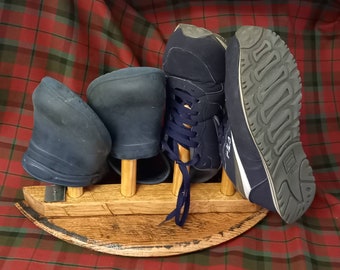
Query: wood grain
106, 200
141, 235
129, 177
227, 187
75, 192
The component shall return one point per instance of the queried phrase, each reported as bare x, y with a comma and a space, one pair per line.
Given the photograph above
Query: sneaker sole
270, 88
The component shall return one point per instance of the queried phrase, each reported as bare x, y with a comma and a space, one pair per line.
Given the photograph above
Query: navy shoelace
178, 131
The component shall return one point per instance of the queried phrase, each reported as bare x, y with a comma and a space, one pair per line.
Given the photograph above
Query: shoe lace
178, 130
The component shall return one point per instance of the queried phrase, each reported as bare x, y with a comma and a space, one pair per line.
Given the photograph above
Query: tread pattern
270, 86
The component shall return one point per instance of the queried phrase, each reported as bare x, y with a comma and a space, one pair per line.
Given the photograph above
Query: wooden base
104, 220
106, 200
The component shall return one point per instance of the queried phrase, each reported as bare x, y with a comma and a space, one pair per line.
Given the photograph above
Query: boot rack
127, 218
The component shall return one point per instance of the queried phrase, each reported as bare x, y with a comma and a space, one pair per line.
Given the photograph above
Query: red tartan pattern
76, 41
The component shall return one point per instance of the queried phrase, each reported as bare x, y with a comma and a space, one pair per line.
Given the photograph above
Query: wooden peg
128, 177
75, 192
177, 178
184, 156
227, 187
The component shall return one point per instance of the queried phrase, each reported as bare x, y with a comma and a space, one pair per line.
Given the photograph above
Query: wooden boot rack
127, 218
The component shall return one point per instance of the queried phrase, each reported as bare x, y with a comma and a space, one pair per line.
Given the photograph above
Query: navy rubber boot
69, 144
131, 103
194, 64
150, 171
261, 149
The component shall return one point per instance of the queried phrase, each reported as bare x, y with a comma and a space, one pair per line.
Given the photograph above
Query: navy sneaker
194, 64
69, 144
261, 149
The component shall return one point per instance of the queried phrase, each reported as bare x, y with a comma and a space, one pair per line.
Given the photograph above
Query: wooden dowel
227, 187
177, 178
128, 177
75, 192
184, 156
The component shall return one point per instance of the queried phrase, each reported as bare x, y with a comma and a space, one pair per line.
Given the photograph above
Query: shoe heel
293, 183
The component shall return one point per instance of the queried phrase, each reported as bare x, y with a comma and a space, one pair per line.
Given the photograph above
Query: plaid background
76, 41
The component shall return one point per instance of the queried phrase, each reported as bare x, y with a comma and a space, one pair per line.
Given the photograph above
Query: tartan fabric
76, 41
